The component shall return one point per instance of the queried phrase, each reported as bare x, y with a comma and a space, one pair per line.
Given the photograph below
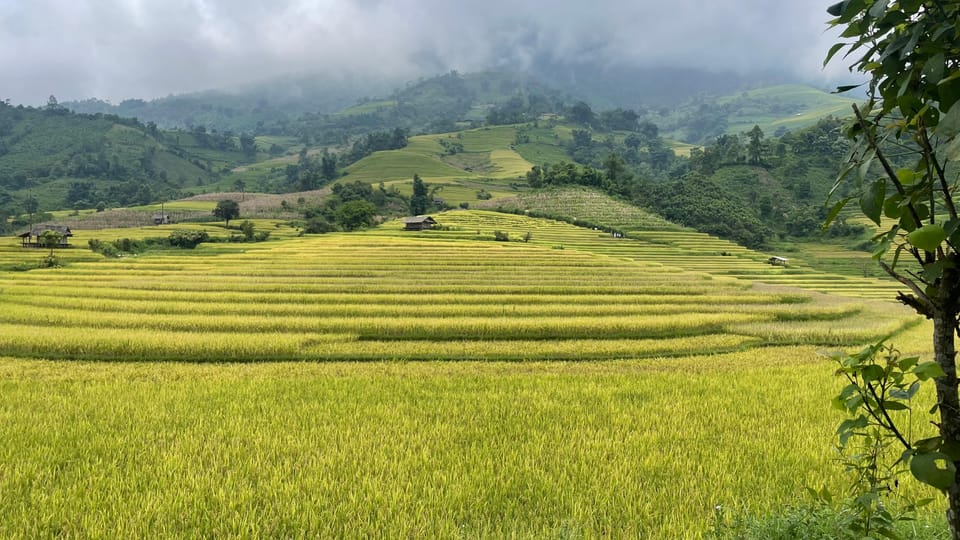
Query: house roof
419, 219
40, 229
776, 258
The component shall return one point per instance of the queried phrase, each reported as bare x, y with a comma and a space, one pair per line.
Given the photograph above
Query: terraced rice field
433, 384
386, 295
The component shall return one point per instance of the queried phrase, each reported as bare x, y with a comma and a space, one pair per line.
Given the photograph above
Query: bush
187, 239
50, 261
501, 236
248, 231
318, 225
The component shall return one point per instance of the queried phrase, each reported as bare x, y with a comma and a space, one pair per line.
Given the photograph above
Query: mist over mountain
120, 49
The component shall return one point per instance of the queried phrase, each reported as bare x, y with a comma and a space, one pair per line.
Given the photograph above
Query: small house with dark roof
162, 219
33, 237
777, 261
418, 223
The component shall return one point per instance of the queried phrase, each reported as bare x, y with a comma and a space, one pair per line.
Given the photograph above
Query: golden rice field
434, 384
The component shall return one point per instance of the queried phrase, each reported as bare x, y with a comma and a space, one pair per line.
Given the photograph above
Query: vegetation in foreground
420, 449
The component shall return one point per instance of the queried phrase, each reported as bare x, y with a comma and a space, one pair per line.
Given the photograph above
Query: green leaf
906, 364
928, 237
872, 373
933, 271
878, 9
895, 406
906, 176
926, 446
834, 211
846, 87
952, 150
949, 124
871, 202
951, 226
892, 208
907, 222
928, 370
933, 68
865, 164
834, 50
934, 469
836, 9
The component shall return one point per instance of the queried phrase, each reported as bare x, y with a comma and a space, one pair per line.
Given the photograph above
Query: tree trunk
944, 330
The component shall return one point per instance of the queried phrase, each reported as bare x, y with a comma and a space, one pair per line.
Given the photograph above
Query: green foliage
819, 519
187, 239
500, 236
876, 439
913, 89
59, 158
701, 203
352, 206
226, 210
50, 261
777, 110
419, 201
356, 214
180, 238
248, 230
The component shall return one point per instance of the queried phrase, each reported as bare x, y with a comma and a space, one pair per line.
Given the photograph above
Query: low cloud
116, 49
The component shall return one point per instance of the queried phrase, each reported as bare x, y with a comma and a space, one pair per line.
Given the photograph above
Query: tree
903, 138
355, 214
248, 145
50, 239
248, 230
581, 113
52, 103
328, 166
419, 200
240, 186
31, 206
227, 210
755, 146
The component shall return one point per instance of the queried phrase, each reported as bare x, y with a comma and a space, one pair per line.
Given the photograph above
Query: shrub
187, 239
501, 236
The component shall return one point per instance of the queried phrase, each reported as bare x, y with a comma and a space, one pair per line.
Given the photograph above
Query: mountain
609, 86
63, 159
247, 108
268, 106
776, 109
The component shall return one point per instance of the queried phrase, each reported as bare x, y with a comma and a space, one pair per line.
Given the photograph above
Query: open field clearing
432, 384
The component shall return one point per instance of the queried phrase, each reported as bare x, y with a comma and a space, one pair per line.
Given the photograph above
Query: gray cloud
116, 49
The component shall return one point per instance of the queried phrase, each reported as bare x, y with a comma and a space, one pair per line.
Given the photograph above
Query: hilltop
776, 109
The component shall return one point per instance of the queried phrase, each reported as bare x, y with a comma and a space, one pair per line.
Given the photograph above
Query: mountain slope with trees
53, 158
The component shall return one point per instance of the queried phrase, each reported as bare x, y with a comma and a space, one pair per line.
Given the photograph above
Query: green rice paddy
426, 384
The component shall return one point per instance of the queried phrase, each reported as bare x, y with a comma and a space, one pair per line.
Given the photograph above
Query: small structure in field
162, 219
33, 237
777, 261
418, 223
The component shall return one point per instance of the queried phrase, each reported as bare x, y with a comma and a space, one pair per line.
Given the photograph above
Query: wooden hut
777, 261
162, 219
33, 237
418, 223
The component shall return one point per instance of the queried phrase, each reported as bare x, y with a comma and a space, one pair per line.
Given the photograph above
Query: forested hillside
490, 135
52, 158
245, 109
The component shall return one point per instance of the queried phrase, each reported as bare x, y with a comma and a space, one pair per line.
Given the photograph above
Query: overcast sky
117, 49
